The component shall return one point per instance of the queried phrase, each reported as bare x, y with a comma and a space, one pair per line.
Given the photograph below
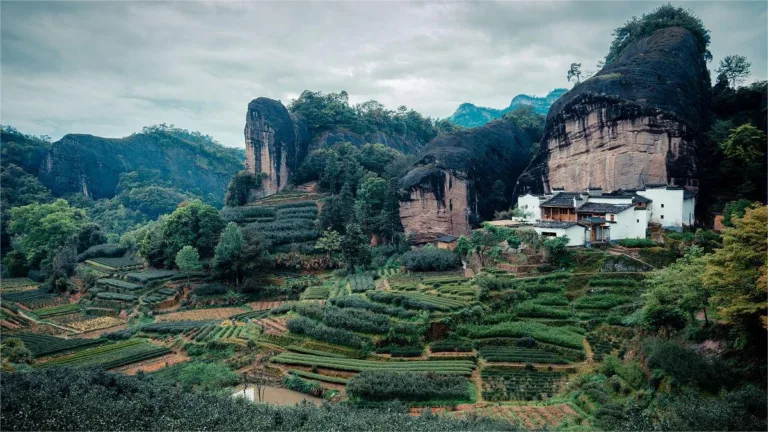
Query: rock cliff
275, 142
470, 115
453, 181
636, 122
92, 165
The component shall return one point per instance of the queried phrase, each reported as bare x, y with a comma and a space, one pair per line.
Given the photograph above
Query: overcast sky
109, 68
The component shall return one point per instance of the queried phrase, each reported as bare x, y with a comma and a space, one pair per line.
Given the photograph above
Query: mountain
188, 161
638, 121
470, 115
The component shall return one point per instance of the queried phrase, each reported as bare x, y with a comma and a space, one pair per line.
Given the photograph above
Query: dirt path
96, 333
590, 353
619, 253
478, 380
36, 321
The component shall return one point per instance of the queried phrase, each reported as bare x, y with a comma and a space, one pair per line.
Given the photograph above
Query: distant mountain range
470, 115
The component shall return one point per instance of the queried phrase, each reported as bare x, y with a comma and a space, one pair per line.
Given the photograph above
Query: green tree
330, 242
662, 17
40, 230
355, 247
226, 258
482, 241
557, 248
188, 260
737, 274
253, 255
677, 290
735, 210
240, 187
370, 203
745, 150
14, 350
195, 224
575, 72
735, 68
463, 246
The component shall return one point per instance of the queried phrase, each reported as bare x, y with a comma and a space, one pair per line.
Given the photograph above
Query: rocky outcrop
92, 165
453, 182
275, 143
636, 122
470, 115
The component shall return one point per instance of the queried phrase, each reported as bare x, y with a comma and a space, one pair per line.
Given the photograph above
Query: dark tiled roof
624, 194
563, 199
554, 224
655, 185
688, 194
591, 207
594, 220
640, 199
446, 239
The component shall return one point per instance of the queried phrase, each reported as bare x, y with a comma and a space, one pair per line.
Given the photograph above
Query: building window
662, 216
613, 218
662, 206
638, 221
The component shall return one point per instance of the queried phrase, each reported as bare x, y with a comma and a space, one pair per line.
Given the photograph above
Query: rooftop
592, 207
447, 239
563, 199
594, 220
554, 224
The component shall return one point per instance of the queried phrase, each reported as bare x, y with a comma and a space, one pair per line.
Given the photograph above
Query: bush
412, 386
637, 243
109, 250
75, 399
293, 382
210, 289
431, 259
360, 303
685, 365
306, 326
208, 375
356, 319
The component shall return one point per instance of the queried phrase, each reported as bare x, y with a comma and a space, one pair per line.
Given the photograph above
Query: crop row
57, 310
319, 377
120, 285
43, 345
354, 365
84, 356
113, 358
119, 263
316, 293
417, 300
519, 355
173, 326
303, 350
561, 336
362, 282
151, 275
519, 384
25, 296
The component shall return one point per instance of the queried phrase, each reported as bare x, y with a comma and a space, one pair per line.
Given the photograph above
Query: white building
576, 233
608, 217
671, 206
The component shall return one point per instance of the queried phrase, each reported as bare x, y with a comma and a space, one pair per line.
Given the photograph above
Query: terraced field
110, 356
353, 365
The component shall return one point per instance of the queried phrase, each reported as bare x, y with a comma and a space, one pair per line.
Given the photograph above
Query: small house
447, 242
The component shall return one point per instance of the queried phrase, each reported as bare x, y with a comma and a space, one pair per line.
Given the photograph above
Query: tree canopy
662, 17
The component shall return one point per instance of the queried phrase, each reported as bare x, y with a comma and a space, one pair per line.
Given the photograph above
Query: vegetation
430, 259
411, 386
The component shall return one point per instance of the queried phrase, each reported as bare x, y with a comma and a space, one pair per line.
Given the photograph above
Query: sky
110, 68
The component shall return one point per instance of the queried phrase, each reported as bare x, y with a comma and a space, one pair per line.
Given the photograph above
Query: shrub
637, 243
208, 375
431, 259
685, 365
293, 382
360, 303
210, 289
356, 319
110, 250
412, 386
306, 326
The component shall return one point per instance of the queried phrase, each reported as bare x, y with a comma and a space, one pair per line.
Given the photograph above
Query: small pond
275, 395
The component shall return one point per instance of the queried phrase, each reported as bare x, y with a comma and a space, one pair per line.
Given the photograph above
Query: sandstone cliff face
636, 122
92, 165
275, 143
431, 212
453, 182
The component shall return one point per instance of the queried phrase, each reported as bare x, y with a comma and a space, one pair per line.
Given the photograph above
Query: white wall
630, 223
667, 203
689, 207
576, 234
616, 201
530, 203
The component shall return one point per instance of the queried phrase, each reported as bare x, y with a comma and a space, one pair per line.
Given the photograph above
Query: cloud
109, 68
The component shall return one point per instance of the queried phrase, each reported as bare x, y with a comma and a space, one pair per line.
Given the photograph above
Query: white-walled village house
593, 216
